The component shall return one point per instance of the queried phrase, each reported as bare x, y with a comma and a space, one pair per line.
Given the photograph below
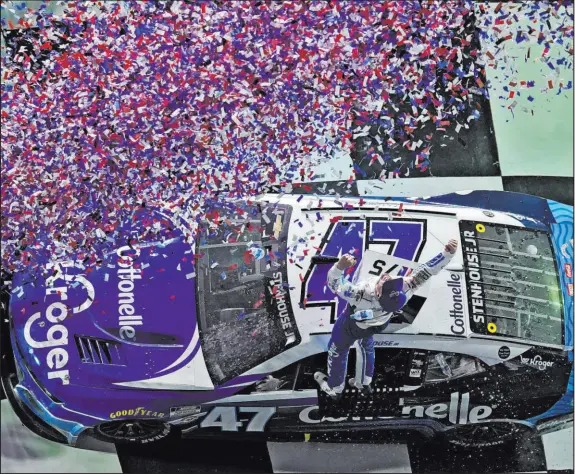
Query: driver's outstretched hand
346, 261
451, 246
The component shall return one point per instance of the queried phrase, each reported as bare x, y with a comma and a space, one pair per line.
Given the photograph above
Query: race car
222, 337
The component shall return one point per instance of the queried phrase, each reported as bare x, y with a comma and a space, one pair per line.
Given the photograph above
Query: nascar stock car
223, 339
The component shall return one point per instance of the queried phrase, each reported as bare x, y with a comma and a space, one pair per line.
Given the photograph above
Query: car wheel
486, 434
132, 431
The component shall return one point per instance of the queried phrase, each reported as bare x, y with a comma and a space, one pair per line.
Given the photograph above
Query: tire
486, 434
132, 431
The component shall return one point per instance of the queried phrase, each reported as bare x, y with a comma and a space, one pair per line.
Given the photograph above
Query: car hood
129, 319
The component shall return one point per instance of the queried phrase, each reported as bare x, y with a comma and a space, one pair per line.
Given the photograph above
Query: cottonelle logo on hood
127, 320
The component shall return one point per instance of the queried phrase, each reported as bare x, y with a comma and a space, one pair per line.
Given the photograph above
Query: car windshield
513, 287
245, 314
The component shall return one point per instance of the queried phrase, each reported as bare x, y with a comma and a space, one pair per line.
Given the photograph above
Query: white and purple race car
143, 347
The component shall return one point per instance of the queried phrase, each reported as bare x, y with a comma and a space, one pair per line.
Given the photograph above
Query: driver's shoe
321, 379
364, 389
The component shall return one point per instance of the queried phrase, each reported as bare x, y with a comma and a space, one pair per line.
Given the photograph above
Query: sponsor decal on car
504, 352
457, 411
127, 320
140, 411
475, 290
537, 362
57, 358
568, 270
417, 365
385, 343
457, 405
186, 414
458, 326
56, 312
176, 412
278, 293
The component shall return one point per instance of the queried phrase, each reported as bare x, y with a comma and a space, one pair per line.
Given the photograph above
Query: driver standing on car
371, 305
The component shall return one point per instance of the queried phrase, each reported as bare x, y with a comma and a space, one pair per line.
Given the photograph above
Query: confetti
178, 107
543, 36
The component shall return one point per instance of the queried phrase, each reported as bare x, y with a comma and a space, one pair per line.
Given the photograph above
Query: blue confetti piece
359, 170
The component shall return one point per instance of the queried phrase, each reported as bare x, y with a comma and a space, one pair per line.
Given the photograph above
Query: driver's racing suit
351, 325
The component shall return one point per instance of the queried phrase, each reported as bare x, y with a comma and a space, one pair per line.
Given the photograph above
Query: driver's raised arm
336, 282
432, 267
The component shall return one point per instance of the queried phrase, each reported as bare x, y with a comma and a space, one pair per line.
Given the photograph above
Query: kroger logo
536, 362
